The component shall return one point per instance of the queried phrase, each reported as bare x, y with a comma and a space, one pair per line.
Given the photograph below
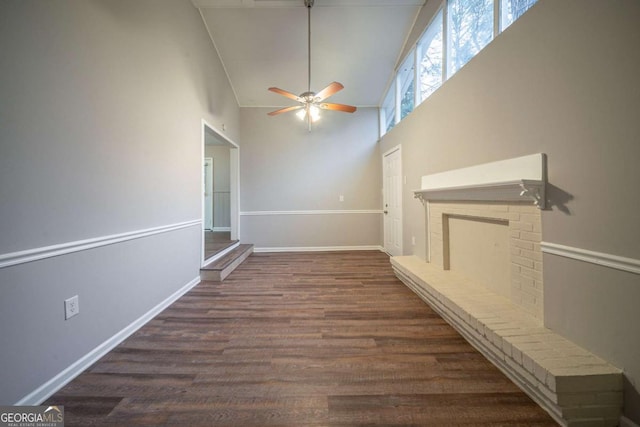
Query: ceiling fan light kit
311, 102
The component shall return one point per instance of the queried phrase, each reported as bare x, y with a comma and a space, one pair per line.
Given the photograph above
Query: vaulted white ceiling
263, 43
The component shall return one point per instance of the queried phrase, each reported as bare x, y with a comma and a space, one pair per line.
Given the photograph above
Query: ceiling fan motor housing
308, 96
310, 100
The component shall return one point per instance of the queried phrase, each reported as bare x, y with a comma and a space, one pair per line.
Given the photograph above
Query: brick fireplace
484, 275
496, 245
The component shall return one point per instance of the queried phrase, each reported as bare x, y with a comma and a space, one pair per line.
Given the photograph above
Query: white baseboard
319, 248
221, 229
626, 422
47, 389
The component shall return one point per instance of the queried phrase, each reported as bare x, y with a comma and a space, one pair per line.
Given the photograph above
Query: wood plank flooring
303, 339
215, 242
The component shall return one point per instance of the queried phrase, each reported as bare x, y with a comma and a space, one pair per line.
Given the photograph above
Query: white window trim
445, 40
417, 83
416, 52
429, 33
496, 19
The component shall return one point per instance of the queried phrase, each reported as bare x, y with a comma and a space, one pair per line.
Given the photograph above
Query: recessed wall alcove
479, 248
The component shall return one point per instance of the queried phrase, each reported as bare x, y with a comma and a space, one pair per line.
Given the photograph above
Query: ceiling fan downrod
309, 4
310, 102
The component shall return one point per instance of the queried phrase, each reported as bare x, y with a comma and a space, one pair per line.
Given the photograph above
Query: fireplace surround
484, 275
490, 231
497, 205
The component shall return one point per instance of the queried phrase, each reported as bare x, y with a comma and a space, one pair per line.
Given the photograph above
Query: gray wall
286, 168
221, 199
221, 163
562, 80
100, 134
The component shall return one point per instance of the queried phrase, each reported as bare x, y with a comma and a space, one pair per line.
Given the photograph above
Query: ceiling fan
311, 102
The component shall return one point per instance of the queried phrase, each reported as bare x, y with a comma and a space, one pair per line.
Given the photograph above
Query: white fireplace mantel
513, 180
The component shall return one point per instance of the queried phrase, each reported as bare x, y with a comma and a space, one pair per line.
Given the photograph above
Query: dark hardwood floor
215, 242
304, 339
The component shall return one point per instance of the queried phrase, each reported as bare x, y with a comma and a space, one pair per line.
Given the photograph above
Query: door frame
208, 164
397, 148
234, 183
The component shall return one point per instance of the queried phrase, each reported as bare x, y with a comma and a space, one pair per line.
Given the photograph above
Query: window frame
401, 83
451, 70
384, 123
428, 33
395, 87
503, 13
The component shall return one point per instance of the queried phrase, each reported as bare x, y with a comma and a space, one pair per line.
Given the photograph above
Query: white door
392, 199
208, 193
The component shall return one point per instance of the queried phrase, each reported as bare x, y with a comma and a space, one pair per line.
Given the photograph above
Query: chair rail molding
312, 212
29, 255
617, 262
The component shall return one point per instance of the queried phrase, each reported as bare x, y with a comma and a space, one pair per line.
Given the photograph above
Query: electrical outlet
341, 198
71, 307
413, 240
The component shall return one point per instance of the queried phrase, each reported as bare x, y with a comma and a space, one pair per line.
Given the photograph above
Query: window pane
470, 28
513, 9
430, 47
389, 109
406, 79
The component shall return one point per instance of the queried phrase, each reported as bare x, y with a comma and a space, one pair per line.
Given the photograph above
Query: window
406, 84
512, 10
388, 110
430, 57
470, 28
459, 30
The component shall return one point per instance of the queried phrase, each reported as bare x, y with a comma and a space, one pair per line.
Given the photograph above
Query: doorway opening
220, 178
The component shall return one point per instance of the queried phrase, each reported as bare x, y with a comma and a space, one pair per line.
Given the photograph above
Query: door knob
386, 212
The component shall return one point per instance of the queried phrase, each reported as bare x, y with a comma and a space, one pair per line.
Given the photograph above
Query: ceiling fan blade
284, 110
285, 93
338, 107
328, 91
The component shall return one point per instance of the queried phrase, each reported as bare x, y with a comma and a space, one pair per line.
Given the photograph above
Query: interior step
219, 269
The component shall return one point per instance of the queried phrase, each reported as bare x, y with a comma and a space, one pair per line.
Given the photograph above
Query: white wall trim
320, 248
531, 167
312, 212
234, 179
516, 179
21, 257
630, 265
63, 378
221, 229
